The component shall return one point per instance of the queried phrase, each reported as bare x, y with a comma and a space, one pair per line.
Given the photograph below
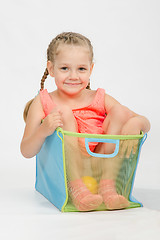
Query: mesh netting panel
92, 170
85, 172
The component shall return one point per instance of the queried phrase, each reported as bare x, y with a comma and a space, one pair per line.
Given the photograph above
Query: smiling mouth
72, 84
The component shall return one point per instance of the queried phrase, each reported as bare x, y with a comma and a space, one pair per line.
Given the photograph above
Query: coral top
89, 119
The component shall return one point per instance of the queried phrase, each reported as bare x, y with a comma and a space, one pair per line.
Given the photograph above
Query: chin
73, 91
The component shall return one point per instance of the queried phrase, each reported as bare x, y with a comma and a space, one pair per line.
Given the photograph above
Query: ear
50, 68
91, 67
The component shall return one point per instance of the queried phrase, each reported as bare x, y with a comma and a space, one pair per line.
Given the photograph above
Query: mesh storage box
60, 151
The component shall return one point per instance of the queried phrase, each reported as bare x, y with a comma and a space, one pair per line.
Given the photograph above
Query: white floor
25, 214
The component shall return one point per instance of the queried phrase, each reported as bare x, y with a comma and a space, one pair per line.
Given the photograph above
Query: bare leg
72, 153
112, 125
82, 198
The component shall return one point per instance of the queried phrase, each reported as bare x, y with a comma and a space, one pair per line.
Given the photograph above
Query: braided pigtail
25, 112
88, 86
26, 109
44, 78
69, 38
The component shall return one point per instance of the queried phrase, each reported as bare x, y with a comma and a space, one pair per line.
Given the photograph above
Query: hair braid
69, 38
44, 78
88, 86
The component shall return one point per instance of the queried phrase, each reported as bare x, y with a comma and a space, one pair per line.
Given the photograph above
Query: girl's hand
51, 122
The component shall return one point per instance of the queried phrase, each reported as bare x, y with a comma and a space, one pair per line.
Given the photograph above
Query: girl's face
72, 68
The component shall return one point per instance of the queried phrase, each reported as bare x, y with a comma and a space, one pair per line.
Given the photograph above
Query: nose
73, 75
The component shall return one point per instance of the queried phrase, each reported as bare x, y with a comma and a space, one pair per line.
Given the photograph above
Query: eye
82, 69
64, 68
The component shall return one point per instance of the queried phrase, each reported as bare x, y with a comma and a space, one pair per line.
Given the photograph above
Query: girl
76, 108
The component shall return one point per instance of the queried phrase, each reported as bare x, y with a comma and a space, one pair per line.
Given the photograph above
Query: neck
65, 96
69, 98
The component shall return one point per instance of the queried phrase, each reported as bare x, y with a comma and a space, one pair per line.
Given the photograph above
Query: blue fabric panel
50, 172
131, 198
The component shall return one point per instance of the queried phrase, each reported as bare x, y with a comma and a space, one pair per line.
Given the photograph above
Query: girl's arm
134, 124
35, 133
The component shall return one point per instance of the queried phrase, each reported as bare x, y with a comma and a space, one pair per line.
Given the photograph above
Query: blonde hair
69, 38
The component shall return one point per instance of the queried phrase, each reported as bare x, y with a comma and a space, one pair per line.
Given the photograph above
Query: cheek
58, 76
86, 77
86, 80
61, 75
59, 79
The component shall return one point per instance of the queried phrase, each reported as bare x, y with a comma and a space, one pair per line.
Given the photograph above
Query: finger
54, 116
56, 113
52, 121
58, 123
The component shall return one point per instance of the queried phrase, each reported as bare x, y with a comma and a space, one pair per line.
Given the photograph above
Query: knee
120, 113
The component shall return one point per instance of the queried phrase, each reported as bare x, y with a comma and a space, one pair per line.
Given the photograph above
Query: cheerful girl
76, 108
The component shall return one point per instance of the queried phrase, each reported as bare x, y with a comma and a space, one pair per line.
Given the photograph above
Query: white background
125, 36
